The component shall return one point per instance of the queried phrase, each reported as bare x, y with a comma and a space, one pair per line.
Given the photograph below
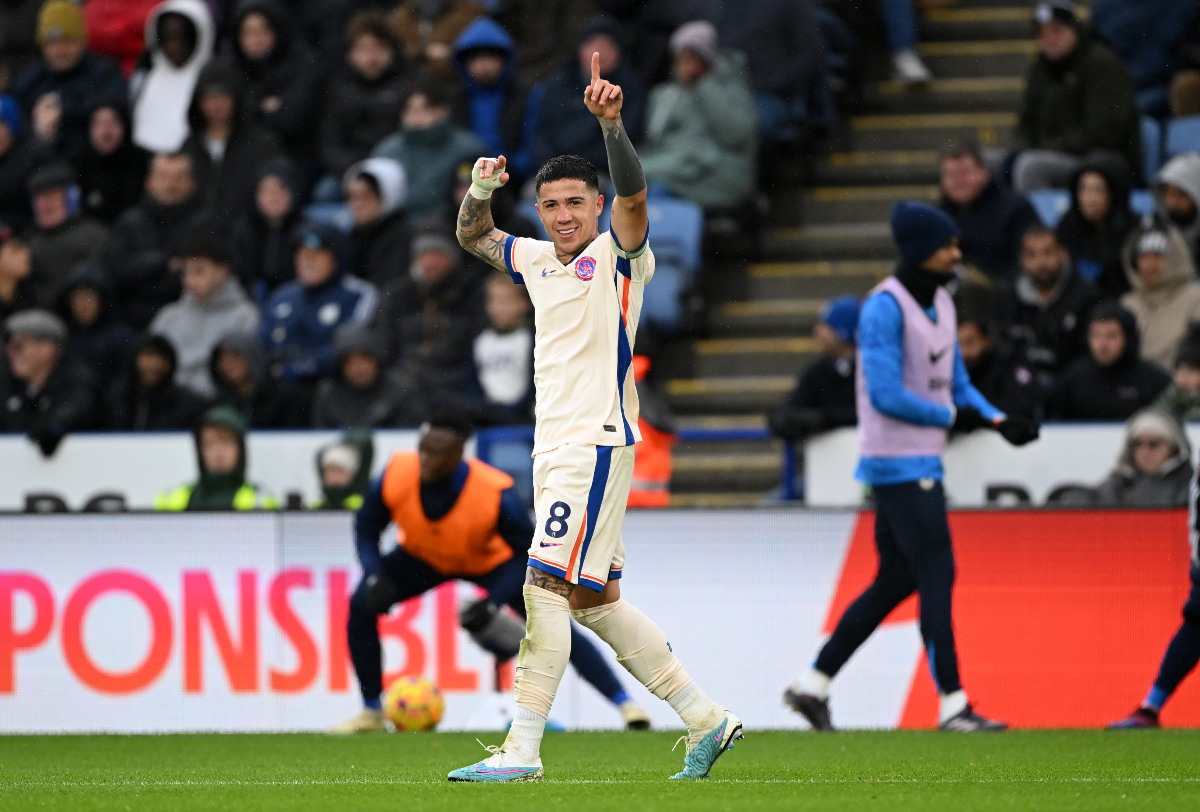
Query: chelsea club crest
585, 268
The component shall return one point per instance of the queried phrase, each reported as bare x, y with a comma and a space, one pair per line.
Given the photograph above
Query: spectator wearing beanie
16, 267
362, 393
179, 41
344, 468
1154, 469
111, 168
21, 153
98, 337
146, 397
376, 191
1165, 296
62, 236
1182, 397
58, 91
44, 392
823, 397
701, 138
261, 248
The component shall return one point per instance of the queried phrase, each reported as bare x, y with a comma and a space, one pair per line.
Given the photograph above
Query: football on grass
414, 703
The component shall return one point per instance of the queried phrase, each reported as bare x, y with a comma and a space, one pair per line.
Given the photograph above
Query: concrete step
769, 280
727, 472
857, 241
996, 22
754, 356
974, 94
961, 59
856, 204
729, 395
927, 131
897, 167
767, 317
722, 422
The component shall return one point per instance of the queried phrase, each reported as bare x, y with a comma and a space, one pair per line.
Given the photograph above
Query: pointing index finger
595, 67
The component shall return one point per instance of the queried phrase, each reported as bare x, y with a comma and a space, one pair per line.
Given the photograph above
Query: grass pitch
1058, 770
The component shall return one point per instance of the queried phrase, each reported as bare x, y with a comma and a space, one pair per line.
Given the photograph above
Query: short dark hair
205, 244
451, 420
958, 150
1038, 230
370, 24
567, 167
435, 92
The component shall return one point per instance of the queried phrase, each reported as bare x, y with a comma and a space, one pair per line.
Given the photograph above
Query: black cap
51, 176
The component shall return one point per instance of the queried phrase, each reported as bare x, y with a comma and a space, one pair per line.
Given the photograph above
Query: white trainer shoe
908, 69
367, 720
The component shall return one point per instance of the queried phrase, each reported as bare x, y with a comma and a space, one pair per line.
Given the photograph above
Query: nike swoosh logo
934, 357
551, 544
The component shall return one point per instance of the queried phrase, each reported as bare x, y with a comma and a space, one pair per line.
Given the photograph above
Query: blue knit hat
920, 230
10, 114
841, 315
324, 237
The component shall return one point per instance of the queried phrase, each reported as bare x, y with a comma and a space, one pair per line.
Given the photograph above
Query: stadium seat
1183, 135
1152, 138
1141, 201
1050, 204
335, 214
677, 231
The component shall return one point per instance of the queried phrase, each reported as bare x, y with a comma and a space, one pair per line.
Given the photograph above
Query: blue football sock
1180, 658
373, 704
621, 697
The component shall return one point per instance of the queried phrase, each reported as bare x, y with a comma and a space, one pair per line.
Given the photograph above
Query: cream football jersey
585, 322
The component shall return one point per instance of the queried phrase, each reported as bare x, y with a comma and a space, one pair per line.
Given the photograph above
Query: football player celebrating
586, 289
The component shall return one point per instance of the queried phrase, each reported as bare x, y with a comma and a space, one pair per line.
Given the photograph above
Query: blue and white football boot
498, 768
704, 748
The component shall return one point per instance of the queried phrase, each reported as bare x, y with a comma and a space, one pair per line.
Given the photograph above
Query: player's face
570, 211
440, 451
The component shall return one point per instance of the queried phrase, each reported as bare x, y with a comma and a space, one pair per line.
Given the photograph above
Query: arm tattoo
548, 582
477, 233
623, 165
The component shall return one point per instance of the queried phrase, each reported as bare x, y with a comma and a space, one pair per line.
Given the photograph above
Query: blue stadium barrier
1152, 146
335, 214
677, 228
1050, 205
1183, 135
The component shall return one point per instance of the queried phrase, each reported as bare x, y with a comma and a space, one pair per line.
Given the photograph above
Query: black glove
969, 419
382, 594
1019, 430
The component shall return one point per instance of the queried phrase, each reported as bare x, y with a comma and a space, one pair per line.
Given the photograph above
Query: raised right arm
477, 232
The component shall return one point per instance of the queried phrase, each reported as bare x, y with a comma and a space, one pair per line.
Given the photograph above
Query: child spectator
112, 169
261, 249
1112, 381
98, 337
146, 397
1096, 226
364, 100
212, 306
300, 318
361, 394
44, 392
62, 236
16, 266
700, 133
59, 90
221, 457
430, 147
142, 255
502, 357
1182, 397
1154, 469
344, 468
179, 43
1005, 380
1165, 295
21, 153
379, 241
824, 397
1177, 198
238, 368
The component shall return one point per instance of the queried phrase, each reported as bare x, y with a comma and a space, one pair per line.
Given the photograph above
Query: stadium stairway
831, 237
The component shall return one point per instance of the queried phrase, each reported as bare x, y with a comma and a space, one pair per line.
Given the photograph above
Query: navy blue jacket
93, 78
1146, 35
299, 323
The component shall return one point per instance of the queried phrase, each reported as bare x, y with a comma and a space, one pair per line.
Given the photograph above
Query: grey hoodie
1166, 487
1182, 171
194, 328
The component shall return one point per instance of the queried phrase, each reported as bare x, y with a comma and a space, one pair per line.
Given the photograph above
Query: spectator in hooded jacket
1005, 379
1164, 295
823, 397
1042, 312
44, 392
179, 43
991, 216
212, 306
379, 241
428, 28
1182, 398
563, 126
21, 153
142, 255
260, 248
430, 147
238, 368
98, 337
225, 146
111, 168
700, 129
58, 91
494, 103
344, 468
364, 100
1177, 198
1078, 103
1094, 229
146, 397
16, 268
220, 437
1146, 34
1154, 469
62, 235
300, 318
362, 393
1112, 381
283, 86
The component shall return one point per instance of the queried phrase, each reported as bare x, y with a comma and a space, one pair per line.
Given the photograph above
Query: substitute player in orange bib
586, 289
